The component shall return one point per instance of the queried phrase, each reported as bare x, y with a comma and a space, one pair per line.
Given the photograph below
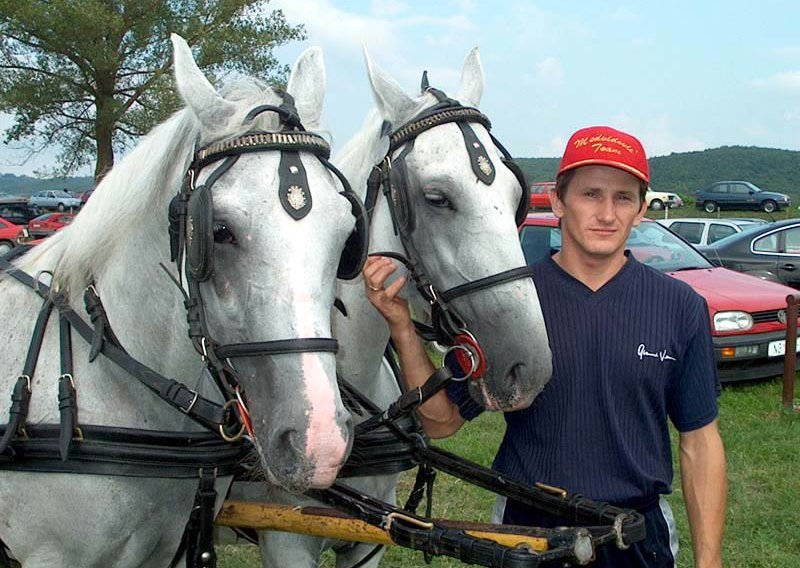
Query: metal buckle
618, 532
67, 376
236, 437
188, 409
28, 380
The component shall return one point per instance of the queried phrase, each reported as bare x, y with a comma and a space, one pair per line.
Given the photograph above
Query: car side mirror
752, 192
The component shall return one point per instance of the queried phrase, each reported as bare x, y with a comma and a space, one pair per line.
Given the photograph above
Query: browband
419, 125
259, 141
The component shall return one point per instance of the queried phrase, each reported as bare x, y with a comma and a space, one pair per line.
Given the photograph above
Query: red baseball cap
605, 146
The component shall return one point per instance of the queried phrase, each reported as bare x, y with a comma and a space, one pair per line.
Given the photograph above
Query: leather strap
277, 347
67, 403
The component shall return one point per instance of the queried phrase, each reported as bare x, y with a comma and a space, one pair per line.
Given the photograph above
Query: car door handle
788, 266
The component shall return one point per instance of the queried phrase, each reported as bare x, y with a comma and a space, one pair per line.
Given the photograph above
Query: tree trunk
104, 135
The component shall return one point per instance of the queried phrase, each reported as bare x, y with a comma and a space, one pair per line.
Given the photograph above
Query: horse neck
363, 334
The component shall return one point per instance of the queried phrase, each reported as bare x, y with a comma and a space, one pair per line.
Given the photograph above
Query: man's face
601, 204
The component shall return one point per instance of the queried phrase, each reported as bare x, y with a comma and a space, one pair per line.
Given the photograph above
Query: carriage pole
330, 523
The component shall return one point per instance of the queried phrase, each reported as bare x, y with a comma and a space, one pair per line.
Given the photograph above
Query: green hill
686, 172
25, 185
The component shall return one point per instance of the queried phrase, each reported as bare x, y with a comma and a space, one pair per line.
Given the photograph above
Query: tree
89, 76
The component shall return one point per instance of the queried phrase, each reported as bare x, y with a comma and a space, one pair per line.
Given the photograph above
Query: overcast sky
682, 75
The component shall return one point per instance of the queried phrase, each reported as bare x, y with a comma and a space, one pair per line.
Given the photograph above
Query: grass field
763, 452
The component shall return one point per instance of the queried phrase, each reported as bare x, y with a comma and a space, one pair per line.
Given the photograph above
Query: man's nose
606, 210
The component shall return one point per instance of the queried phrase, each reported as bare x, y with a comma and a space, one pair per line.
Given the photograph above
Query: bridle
191, 229
449, 328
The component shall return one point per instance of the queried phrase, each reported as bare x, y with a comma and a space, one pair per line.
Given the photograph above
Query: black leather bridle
192, 235
449, 327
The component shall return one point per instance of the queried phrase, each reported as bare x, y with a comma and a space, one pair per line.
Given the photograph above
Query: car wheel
5, 247
769, 206
656, 205
709, 206
61, 207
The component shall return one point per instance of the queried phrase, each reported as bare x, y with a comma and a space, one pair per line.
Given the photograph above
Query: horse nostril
517, 372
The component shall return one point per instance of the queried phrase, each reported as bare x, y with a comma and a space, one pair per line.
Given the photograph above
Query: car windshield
649, 243
44, 217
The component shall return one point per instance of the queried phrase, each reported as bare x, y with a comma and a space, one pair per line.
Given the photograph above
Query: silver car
55, 199
702, 231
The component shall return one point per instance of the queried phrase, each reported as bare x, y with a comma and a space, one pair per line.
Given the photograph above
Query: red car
540, 194
49, 223
9, 233
747, 314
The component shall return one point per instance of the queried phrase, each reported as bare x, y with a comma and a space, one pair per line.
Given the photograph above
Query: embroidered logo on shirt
662, 355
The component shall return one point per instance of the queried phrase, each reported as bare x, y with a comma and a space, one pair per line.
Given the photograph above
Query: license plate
778, 348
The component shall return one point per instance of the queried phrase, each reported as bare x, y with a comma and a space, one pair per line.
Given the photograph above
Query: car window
717, 231
692, 232
738, 188
721, 188
537, 242
768, 243
792, 240
3, 225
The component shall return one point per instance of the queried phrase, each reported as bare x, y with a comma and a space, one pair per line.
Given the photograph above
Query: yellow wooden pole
330, 523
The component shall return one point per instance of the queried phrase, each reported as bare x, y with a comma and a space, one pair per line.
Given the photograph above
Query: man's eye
223, 235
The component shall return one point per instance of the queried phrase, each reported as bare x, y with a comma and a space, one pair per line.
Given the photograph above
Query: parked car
49, 223
747, 314
19, 212
58, 199
770, 252
701, 231
739, 195
9, 235
540, 194
658, 200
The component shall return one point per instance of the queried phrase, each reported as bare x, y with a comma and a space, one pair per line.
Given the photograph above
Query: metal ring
67, 376
37, 280
401, 517
373, 288
236, 437
472, 359
618, 532
28, 379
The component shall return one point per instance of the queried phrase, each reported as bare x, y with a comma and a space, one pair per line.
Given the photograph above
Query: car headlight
732, 321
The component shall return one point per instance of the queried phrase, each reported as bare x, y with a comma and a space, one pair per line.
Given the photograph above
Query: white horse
465, 230
273, 278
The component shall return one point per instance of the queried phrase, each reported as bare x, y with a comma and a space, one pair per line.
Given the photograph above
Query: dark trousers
653, 552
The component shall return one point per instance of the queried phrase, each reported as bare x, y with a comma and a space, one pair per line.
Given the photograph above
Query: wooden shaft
330, 523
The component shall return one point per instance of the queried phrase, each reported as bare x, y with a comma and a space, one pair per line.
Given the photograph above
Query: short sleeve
458, 393
692, 401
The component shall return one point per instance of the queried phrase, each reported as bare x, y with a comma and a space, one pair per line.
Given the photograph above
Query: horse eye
223, 235
437, 200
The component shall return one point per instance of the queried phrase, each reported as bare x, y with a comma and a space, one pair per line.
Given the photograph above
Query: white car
701, 231
58, 199
658, 200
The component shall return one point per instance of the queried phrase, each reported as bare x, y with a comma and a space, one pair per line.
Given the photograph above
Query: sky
680, 75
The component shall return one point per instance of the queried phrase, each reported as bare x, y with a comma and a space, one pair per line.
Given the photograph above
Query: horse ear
196, 91
471, 88
393, 103
307, 85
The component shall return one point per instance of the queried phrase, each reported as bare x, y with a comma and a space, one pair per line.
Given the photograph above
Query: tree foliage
91, 75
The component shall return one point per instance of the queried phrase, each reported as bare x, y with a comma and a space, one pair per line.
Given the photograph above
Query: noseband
391, 174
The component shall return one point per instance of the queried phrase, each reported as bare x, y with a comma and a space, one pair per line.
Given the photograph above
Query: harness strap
67, 402
99, 319
200, 528
21, 395
488, 282
207, 413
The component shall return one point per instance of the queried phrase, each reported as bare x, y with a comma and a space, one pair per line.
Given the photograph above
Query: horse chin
505, 400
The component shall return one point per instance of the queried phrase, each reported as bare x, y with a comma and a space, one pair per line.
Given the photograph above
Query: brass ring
373, 288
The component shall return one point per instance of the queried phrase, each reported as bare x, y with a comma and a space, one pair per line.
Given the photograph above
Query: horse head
453, 207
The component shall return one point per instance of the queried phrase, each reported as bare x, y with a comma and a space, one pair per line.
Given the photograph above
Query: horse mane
135, 192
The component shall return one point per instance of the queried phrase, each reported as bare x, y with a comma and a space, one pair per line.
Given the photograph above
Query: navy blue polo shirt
625, 359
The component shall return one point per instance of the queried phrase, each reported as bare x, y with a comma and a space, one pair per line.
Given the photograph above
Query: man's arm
705, 487
439, 416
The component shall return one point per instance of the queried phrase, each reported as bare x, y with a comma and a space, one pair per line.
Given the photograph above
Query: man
631, 349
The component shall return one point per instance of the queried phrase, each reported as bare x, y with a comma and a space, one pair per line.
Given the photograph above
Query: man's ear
556, 204
642, 211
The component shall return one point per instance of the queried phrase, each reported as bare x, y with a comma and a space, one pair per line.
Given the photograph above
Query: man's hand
393, 308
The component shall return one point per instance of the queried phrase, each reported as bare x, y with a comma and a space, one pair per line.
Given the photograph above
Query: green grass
762, 445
